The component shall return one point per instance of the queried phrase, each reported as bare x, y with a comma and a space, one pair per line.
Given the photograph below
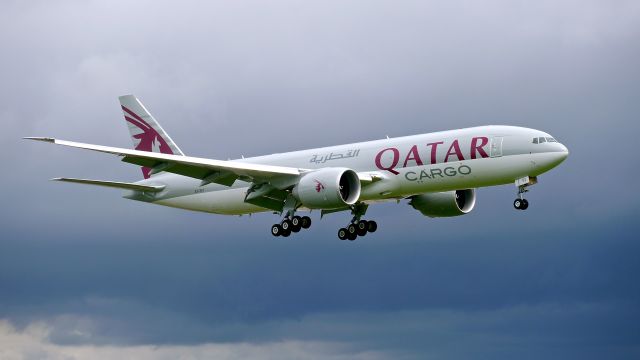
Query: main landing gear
357, 227
291, 225
291, 222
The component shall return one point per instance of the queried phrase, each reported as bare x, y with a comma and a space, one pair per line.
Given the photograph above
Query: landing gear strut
357, 227
291, 223
521, 203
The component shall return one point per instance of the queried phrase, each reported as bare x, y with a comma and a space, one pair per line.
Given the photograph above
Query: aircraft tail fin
146, 132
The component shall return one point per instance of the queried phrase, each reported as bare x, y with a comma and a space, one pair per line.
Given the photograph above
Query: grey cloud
235, 289
527, 332
33, 343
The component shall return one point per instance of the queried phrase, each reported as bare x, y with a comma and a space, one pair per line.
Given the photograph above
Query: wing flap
113, 184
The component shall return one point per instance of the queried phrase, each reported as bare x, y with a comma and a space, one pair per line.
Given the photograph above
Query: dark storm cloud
549, 287
247, 78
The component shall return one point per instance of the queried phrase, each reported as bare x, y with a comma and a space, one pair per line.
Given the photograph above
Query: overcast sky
87, 274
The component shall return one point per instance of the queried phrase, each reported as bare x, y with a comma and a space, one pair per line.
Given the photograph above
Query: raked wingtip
36, 138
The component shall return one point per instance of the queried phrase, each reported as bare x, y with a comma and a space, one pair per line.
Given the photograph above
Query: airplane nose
548, 160
562, 154
565, 151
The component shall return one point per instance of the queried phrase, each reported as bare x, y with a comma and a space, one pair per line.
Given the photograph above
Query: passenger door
496, 147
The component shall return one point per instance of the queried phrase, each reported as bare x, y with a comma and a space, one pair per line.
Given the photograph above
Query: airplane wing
207, 170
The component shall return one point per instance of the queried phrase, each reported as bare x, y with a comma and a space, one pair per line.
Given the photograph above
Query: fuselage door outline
496, 146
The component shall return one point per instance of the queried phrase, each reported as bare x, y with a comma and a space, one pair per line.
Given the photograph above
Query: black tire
352, 229
276, 230
306, 222
342, 234
517, 203
295, 221
525, 204
286, 233
286, 225
362, 228
352, 237
372, 226
296, 229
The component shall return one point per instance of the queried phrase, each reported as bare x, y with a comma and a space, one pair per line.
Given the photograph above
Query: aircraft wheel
372, 226
286, 225
342, 234
362, 228
276, 230
286, 233
296, 223
525, 204
352, 229
517, 203
352, 237
306, 222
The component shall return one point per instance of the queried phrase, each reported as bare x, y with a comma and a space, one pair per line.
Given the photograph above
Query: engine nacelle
445, 204
328, 188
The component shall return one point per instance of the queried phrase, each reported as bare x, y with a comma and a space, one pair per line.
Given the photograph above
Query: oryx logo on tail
146, 133
148, 136
149, 139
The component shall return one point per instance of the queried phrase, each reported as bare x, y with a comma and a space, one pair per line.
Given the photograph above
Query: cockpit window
540, 140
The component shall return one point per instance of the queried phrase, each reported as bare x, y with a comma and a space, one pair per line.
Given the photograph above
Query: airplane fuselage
403, 166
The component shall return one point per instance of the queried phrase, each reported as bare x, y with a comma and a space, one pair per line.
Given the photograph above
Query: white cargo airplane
437, 172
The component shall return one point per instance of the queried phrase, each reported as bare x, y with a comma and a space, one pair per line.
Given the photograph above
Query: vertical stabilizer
146, 132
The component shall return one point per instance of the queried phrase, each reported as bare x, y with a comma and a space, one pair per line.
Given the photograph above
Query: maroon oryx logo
149, 137
319, 186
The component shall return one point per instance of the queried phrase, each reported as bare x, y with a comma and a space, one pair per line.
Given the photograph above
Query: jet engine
445, 204
328, 188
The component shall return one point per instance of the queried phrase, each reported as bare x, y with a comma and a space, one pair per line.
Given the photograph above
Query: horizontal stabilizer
114, 184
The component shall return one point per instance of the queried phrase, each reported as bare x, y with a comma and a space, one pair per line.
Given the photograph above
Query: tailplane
114, 184
146, 132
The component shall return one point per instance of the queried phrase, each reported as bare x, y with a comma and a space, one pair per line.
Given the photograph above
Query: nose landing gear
521, 203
